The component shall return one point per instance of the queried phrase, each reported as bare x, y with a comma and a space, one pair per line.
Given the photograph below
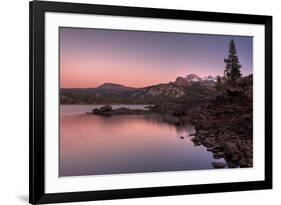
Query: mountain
196, 78
210, 78
192, 78
114, 87
104, 89
164, 90
181, 81
116, 93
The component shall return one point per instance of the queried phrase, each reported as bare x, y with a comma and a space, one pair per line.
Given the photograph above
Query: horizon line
142, 86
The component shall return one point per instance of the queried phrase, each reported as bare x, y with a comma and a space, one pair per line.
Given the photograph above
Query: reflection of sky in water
125, 144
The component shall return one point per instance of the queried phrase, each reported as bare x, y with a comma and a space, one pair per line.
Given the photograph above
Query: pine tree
219, 83
232, 68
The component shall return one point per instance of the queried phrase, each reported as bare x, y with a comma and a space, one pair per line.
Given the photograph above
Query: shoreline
223, 124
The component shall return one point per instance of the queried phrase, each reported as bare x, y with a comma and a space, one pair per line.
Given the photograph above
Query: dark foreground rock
224, 125
218, 165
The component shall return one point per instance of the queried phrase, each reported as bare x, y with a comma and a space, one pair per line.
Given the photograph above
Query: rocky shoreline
224, 126
223, 123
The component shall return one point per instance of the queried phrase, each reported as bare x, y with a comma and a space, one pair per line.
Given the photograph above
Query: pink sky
91, 57
95, 73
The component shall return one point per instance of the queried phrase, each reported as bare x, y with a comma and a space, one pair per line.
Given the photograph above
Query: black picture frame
37, 9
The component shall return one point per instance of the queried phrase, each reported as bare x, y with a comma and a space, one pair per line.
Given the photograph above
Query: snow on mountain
210, 78
193, 78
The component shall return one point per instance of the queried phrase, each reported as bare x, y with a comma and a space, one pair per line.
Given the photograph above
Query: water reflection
92, 145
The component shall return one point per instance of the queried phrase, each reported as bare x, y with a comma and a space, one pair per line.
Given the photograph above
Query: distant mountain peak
192, 77
210, 78
110, 85
114, 87
181, 81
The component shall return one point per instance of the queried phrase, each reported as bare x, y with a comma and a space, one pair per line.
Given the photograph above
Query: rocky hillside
225, 124
116, 93
223, 118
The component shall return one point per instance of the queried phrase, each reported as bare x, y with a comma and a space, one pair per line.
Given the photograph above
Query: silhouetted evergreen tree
219, 83
232, 68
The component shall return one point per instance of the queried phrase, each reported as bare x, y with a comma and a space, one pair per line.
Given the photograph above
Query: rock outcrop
225, 124
107, 110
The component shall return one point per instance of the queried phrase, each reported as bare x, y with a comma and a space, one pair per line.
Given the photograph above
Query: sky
91, 57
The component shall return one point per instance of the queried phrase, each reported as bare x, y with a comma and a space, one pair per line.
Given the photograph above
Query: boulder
220, 154
218, 165
207, 142
106, 108
235, 157
202, 133
210, 149
230, 148
243, 163
216, 156
197, 143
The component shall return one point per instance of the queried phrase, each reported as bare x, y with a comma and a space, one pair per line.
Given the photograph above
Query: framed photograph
141, 102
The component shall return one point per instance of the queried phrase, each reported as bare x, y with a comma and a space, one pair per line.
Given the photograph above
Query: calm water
92, 144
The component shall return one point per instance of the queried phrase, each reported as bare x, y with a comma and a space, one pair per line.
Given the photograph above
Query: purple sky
90, 57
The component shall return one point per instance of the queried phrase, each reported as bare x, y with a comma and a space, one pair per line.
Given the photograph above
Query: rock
218, 165
195, 139
210, 149
216, 156
221, 154
197, 143
178, 113
97, 111
106, 108
231, 164
234, 92
235, 157
233, 137
203, 117
250, 162
230, 148
180, 81
207, 142
247, 152
108, 111
202, 133
218, 148
221, 99
243, 163
212, 135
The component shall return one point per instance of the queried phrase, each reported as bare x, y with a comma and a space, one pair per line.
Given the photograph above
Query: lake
94, 145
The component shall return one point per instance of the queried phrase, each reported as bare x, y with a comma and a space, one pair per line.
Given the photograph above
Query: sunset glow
91, 57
